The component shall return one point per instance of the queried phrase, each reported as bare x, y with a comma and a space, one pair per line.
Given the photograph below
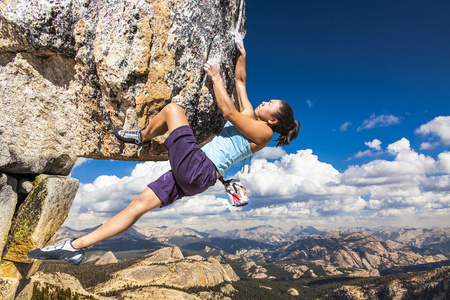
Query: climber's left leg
72, 251
168, 119
143, 203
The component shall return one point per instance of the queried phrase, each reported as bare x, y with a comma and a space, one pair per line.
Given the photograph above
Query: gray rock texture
24, 186
8, 287
71, 71
8, 202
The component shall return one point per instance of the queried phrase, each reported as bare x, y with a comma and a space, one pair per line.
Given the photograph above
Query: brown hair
286, 126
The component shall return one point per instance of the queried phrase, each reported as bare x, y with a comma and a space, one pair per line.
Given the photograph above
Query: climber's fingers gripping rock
239, 42
212, 68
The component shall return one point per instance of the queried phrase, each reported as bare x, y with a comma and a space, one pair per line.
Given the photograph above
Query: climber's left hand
212, 68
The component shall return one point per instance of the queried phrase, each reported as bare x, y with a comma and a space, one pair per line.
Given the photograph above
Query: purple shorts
192, 172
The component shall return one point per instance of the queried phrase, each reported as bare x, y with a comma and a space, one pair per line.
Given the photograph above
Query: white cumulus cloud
438, 127
292, 175
444, 162
399, 146
375, 144
290, 189
406, 166
270, 153
428, 145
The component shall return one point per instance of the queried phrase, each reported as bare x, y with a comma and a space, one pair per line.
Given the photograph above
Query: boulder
71, 71
24, 186
37, 128
8, 287
15, 277
18, 270
61, 280
42, 213
293, 292
8, 202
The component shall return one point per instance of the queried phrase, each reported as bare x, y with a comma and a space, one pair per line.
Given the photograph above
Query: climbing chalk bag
237, 193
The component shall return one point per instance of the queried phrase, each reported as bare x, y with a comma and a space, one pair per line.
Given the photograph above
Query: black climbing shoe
62, 251
128, 136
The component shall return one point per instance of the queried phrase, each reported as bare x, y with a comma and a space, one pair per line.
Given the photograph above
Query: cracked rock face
71, 71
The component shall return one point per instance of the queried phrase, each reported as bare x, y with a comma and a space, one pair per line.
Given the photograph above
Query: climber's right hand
239, 42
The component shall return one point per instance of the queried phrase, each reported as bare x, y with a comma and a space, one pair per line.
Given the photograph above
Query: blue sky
351, 59
362, 77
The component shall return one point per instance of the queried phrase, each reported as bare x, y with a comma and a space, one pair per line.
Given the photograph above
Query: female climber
193, 169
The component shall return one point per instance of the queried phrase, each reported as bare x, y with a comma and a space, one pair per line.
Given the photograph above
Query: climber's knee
144, 202
173, 109
175, 116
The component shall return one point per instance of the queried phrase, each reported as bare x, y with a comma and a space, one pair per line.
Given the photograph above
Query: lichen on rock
42, 213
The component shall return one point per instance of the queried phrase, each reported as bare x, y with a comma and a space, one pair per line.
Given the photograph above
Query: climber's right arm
245, 107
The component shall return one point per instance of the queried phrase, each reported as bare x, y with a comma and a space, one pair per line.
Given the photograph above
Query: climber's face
267, 110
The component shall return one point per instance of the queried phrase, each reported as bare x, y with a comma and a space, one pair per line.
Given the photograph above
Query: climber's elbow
229, 113
226, 114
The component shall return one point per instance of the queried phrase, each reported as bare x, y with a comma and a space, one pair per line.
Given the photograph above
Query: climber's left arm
223, 100
257, 132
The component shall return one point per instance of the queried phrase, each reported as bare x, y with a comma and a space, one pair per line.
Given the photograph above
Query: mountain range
364, 249
435, 238
263, 262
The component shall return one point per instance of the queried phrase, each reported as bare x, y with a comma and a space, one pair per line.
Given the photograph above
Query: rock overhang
71, 71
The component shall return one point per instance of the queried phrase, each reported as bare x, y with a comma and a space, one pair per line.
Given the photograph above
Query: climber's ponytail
286, 126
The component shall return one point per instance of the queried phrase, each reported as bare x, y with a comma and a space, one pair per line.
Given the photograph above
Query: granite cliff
70, 72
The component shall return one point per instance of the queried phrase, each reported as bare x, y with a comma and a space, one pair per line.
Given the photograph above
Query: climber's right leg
168, 119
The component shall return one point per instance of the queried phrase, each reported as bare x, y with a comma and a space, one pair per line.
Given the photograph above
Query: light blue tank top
227, 148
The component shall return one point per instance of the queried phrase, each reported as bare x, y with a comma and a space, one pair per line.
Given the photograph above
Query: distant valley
297, 261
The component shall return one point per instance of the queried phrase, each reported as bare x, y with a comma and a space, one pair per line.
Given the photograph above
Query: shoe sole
68, 260
121, 138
